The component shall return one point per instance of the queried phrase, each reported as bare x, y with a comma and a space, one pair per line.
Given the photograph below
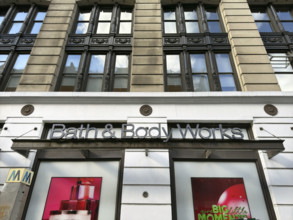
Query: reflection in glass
124, 15
94, 83
82, 28
40, 16
105, 16
288, 26
198, 63
84, 16
12, 83
120, 83
284, 15
285, 81
173, 64
264, 26
72, 64
36, 27
174, 83
211, 14
15, 28
260, 16
214, 27
190, 15
280, 62
1, 19
97, 64
103, 28
121, 64
223, 63
20, 16
192, 27
125, 28
3, 58
169, 15
68, 83
200, 83
227, 82
170, 27
20, 63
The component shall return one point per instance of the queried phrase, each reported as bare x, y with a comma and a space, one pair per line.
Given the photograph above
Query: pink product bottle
80, 206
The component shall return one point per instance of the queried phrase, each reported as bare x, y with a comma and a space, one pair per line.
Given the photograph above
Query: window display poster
73, 198
219, 198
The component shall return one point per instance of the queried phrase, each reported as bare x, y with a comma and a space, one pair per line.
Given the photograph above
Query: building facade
146, 109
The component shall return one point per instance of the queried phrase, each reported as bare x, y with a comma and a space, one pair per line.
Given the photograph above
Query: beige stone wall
46, 56
254, 70
147, 61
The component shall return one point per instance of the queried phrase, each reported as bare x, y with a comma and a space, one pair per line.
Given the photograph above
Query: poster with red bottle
219, 198
73, 198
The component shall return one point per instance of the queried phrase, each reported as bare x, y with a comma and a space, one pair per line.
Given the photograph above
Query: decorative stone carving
6, 40
99, 40
146, 110
272, 39
27, 41
219, 39
76, 40
27, 110
195, 40
172, 40
122, 40
271, 109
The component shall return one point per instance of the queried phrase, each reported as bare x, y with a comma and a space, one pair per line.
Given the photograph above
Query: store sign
129, 131
20, 175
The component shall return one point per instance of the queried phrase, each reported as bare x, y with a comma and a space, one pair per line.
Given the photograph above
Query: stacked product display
81, 204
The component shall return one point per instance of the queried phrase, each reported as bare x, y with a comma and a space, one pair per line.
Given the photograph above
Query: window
106, 32
15, 73
262, 20
282, 65
194, 59
200, 70
196, 19
286, 18
94, 77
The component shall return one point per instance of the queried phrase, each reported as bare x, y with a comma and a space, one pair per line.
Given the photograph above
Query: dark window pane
84, 16
260, 16
125, 28
97, 64
200, 83
223, 63
211, 14
1, 19
120, 83
170, 27
15, 28
125, 15
173, 64
20, 16
198, 63
190, 15
285, 81
36, 27
192, 27
81, 28
174, 83
121, 64
170, 15
227, 82
12, 83
40, 16
68, 83
288, 26
94, 83
105, 16
284, 15
103, 28
20, 63
214, 26
72, 64
264, 26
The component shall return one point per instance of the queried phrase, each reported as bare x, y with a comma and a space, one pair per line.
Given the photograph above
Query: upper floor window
92, 74
22, 19
204, 72
106, 20
282, 65
196, 19
273, 18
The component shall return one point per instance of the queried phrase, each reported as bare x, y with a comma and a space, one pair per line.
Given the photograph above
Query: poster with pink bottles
73, 198
219, 198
